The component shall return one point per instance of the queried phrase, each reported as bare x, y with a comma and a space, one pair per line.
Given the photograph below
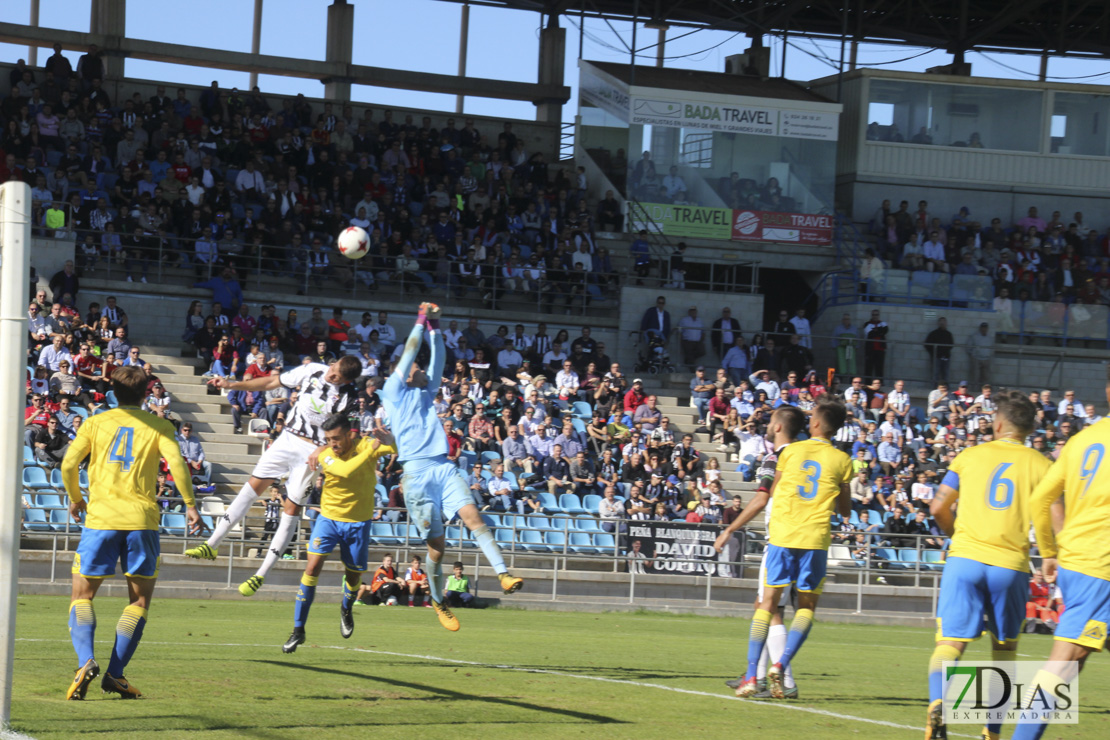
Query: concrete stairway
232, 455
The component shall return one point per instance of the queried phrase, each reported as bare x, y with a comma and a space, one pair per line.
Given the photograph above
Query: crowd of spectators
70, 361
1059, 261
236, 179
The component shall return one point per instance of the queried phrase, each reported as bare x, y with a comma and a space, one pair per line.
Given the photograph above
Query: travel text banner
697, 222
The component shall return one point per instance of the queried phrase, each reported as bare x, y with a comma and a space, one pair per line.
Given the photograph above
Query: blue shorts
434, 491
137, 551
805, 568
1086, 609
353, 539
972, 592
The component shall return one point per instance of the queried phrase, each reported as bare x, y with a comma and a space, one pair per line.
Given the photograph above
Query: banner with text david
672, 547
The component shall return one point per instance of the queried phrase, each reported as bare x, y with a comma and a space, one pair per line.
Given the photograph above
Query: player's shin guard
234, 513
757, 638
82, 628
349, 594
776, 646
799, 631
129, 630
941, 655
435, 579
305, 594
1034, 729
490, 549
283, 535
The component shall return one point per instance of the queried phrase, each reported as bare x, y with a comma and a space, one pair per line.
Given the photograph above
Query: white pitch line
602, 679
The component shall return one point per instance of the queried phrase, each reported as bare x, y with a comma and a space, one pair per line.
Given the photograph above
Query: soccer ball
353, 242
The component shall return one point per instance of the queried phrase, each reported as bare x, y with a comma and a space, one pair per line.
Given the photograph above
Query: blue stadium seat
455, 536
35, 479
505, 538
571, 504
582, 410
382, 533
854, 519
490, 456
535, 521
555, 540
56, 479
591, 502
174, 524
49, 501
934, 558
28, 500
35, 520
587, 524
486, 474
410, 531
29, 456
605, 542
80, 411
514, 484
83, 479
582, 543
891, 555
532, 540
579, 425
492, 520
60, 520
550, 505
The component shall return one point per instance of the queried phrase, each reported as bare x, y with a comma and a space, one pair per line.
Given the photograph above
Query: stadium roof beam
1032, 27
326, 72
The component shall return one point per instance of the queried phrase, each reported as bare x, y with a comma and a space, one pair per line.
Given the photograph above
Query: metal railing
567, 133
171, 259
883, 559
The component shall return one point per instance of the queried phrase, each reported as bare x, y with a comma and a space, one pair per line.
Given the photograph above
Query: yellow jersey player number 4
123, 448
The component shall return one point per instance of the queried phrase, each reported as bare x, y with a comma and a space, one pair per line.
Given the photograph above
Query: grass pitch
214, 669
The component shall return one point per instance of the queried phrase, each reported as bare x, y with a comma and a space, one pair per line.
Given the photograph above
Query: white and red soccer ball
353, 242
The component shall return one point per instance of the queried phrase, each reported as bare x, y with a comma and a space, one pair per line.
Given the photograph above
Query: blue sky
423, 35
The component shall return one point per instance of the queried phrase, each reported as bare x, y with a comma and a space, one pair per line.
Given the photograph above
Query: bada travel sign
697, 222
762, 120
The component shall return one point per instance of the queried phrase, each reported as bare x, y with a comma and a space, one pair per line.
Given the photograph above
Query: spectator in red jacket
635, 397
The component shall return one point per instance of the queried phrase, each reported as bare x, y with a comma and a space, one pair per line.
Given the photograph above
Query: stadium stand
207, 195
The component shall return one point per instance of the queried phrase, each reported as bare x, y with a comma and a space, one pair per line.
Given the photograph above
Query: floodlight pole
15, 253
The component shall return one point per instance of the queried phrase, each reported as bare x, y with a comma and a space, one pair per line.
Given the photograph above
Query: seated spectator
193, 453
416, 580
457, 591
50, 443
385, 587
611, 510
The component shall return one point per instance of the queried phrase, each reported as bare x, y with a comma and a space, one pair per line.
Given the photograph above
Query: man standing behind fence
980, 351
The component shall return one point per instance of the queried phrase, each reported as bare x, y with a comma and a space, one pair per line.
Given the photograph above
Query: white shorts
288, 457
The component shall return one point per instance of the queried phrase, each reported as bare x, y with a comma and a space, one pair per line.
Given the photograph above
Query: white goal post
15, 260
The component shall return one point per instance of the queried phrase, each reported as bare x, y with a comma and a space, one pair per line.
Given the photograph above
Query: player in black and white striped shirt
322, 390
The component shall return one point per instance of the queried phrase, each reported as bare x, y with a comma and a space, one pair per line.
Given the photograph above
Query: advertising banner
654, 548
796, 228
740, 225
685, 221
756, 119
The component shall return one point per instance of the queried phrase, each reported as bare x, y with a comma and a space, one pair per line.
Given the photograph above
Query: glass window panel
956, 115
1084, 124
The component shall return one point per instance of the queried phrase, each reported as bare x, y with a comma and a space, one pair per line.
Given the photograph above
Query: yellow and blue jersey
124, 447
349, 481
811, 475
995, 481
1082, 476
